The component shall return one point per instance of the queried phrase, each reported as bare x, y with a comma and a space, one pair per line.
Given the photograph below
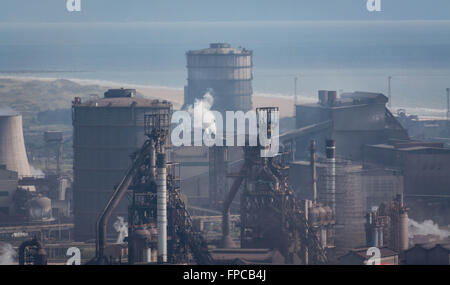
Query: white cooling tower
12, 145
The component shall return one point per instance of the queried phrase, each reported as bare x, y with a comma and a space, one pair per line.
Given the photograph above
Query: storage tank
12, 145
224, 71
106, 132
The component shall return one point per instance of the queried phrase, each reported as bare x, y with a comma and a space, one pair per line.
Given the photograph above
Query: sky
214, 10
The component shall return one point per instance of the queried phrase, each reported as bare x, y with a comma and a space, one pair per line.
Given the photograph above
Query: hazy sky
214, 10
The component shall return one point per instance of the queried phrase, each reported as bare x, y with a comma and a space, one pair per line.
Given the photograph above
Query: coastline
175, 94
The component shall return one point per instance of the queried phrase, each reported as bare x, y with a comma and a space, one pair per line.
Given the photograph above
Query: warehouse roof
123, 102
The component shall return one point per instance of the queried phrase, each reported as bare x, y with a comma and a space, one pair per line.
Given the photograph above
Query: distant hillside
45, 105
29, 97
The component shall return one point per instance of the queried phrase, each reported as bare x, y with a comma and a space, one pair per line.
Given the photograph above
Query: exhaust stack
331, 174
312, 150
403, 226
162, 207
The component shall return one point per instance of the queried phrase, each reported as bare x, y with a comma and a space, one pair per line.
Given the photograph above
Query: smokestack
12, 144
331, 174
312, 150
162, 207
153, 162
403, 227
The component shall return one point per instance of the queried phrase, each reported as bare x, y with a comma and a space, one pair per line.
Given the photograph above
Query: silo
12, 145
223, 70
106, 132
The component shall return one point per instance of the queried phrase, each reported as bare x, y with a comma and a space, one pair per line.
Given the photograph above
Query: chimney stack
162, 207
331, 174
312, 150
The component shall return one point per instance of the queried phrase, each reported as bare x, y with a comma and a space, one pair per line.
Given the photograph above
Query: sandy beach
175, 95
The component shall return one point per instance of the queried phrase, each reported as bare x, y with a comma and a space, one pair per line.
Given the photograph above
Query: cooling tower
12, 145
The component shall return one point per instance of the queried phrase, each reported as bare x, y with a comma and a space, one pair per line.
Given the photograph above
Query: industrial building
356, 191
29, 206
346, 178
359, 257
358, 118
387, 225
106, 131
428, 254
8, 186
425, 167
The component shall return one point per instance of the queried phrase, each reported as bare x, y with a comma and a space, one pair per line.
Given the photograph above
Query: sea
333, 55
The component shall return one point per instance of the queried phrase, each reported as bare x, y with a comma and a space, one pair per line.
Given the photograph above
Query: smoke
428, 227
202, 109
36, 172
7, 111
122, 228
7, 254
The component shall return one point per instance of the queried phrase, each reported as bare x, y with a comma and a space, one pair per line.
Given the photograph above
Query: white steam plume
428, 227
202, 109
36, 172
122, 228
7, 254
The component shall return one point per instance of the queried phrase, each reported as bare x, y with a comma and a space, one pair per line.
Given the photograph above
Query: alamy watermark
73, 5
373, 5
242, 129
375, 256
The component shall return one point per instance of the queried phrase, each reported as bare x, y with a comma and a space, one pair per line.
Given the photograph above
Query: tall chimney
162, 207
312, 150
153, 161
403, 226
331, 174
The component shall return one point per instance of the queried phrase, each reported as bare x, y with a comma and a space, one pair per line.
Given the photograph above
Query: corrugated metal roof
384, 251
124, 102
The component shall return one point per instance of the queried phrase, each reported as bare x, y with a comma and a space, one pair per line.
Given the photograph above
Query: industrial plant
350, 176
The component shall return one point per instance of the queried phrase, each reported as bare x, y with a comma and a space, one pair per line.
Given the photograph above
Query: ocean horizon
344, 56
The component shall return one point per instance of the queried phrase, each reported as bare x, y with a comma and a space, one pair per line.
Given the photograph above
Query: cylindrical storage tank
106, 131
223, 70
12, 144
